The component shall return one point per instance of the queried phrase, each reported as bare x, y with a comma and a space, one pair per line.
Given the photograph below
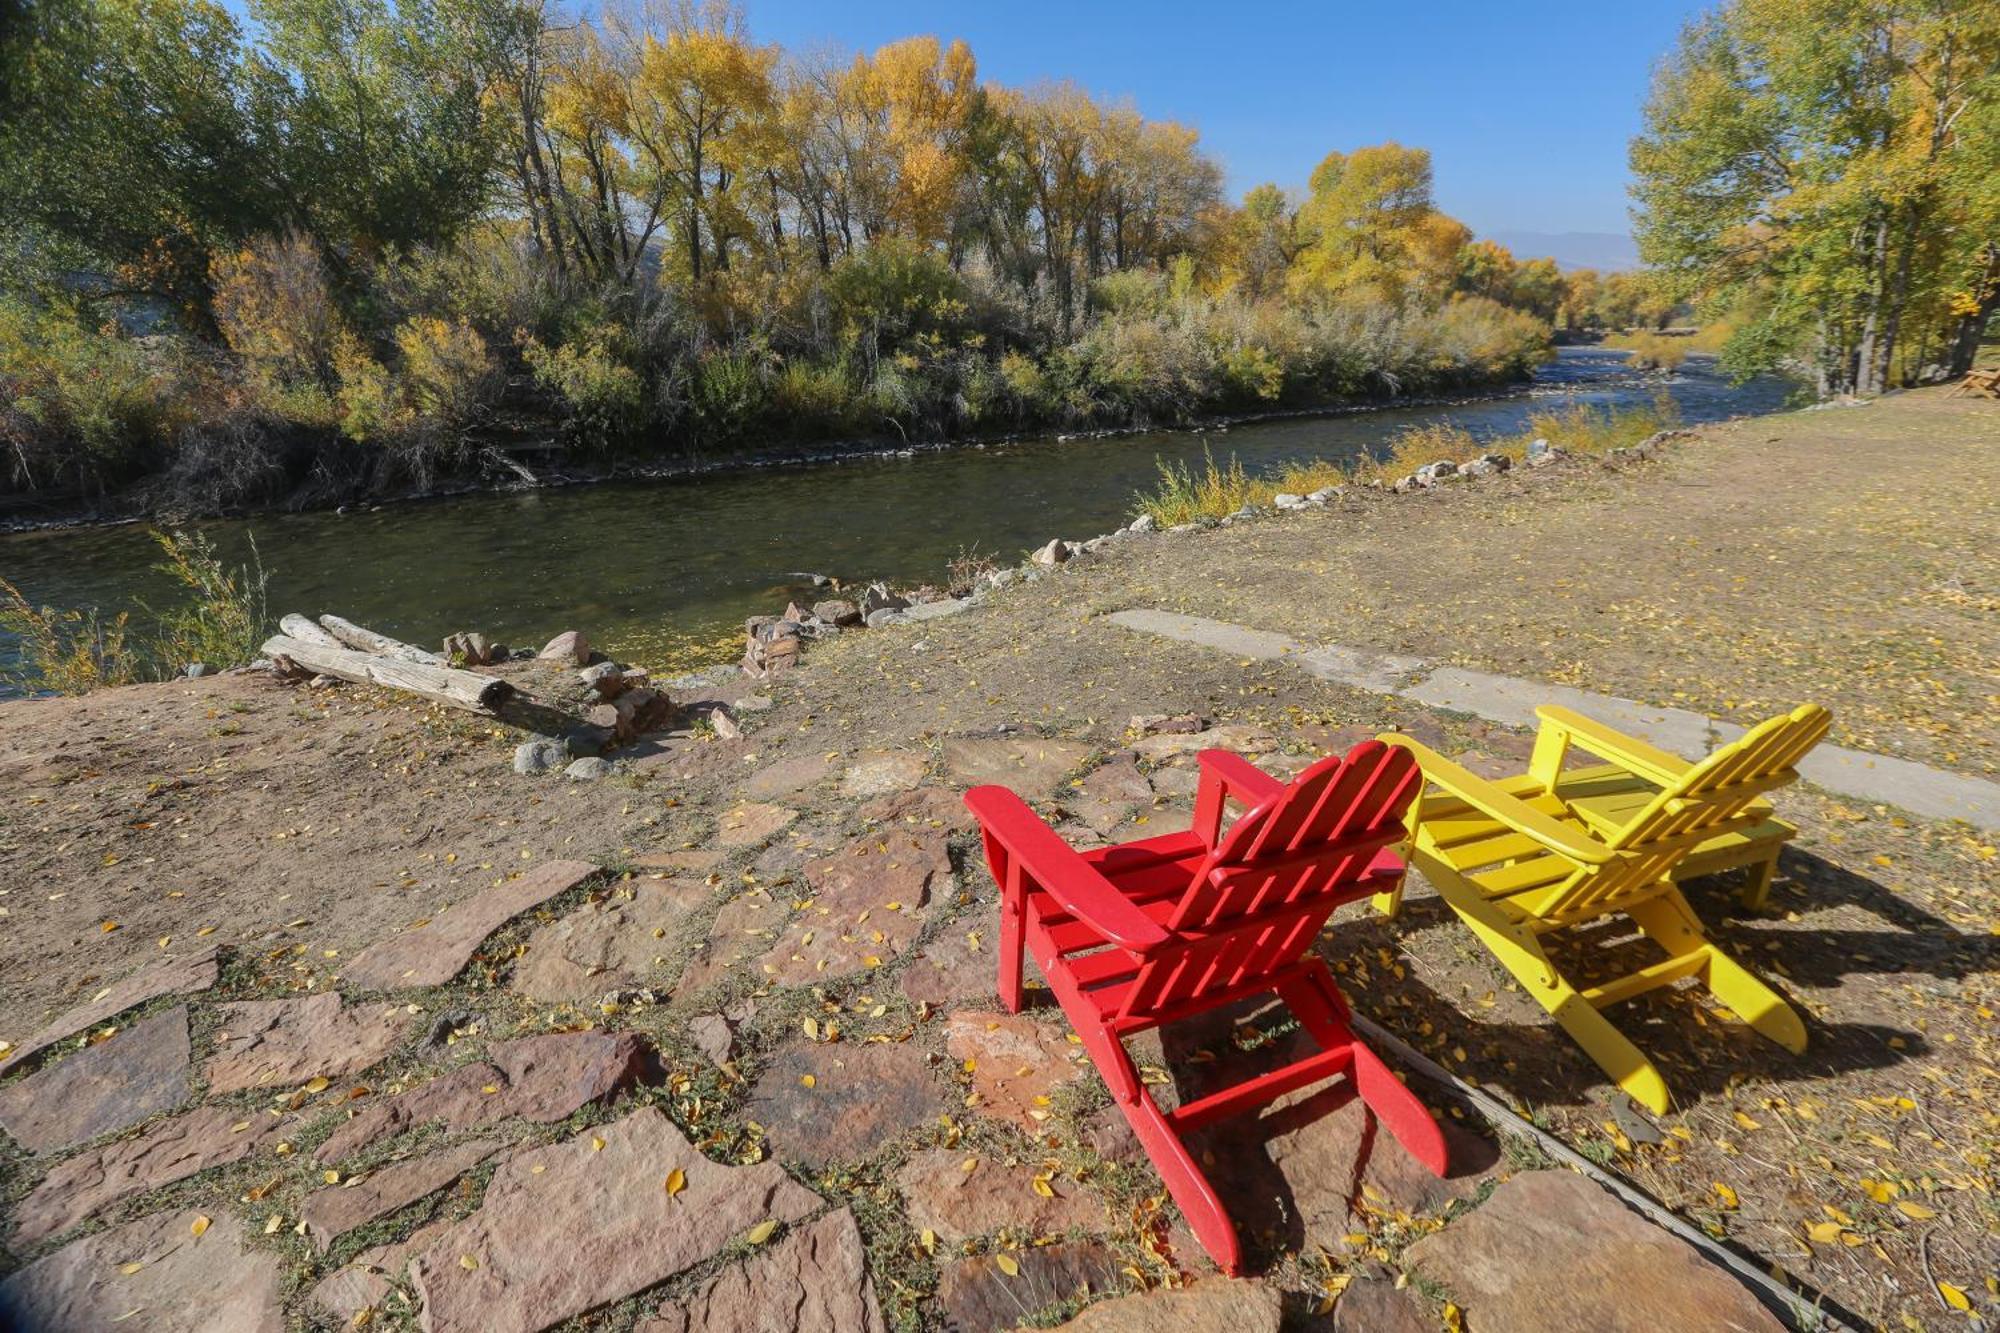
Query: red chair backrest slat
1265, 892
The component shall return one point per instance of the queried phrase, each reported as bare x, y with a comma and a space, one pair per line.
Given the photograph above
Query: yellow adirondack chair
1522, 857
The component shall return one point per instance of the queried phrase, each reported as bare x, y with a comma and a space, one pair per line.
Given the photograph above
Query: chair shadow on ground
1537, 1062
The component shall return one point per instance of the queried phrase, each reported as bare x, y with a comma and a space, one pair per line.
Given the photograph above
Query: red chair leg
1198, 1201
1317, 1000
1013, 923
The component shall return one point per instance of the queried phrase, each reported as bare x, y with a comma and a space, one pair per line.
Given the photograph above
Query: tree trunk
305, 631
445, 685
361, 639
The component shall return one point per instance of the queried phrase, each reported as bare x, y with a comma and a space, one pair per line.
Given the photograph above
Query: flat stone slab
744, 929
957, 966
1550, 1252
920, 807
1029, 765
1236, 737
281, 1043
1377, 1305
185, 975
1110, 795
610, 945
866, 907
137, 1074
435, 952
172, 1150
977, 1295
1017, 1063
1215, 1305
588, 1221
815, 1280
332, 1212
787, 777
751, 823
542, 1079
862, 1095
944, 1197
366, 1281
882, 772
178, 1282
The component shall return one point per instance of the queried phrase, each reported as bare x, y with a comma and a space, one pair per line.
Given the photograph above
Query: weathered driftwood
447, 685
359, 637
305, 631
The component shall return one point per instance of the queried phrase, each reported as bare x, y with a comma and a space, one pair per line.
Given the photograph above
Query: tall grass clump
1185, 495
218, 620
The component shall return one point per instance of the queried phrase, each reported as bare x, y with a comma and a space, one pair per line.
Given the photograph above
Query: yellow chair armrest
1649, 762
1487, 798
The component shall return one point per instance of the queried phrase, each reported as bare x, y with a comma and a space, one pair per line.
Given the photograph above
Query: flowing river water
652, 566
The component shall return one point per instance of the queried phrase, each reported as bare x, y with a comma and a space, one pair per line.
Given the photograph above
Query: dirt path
653, 1018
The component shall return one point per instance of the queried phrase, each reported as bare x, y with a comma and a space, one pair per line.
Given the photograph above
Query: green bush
80, 406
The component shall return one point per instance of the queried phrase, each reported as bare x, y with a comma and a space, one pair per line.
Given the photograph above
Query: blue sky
1526, 105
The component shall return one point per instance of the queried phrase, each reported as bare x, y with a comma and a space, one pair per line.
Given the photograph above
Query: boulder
540, 755
879, 598
1287, 500
607, 678
569, 648
1055, 553
837, 611
887, 615
1143, 523
588, 770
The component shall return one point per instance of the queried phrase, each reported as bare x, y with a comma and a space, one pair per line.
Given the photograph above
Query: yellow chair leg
1670, 923
1758, 888
1389, 904
1520, 953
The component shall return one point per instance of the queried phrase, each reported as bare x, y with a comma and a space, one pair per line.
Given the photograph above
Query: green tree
1830, 164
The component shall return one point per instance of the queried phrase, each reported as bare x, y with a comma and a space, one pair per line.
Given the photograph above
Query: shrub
728, 393
273, 307
605, 397
449, 376
79, 406
219, 621
1652, 351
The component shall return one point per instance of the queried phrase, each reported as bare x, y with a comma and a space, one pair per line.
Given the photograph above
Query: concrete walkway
1918, 788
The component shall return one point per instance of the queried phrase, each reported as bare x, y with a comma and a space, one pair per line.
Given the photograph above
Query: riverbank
1839, 556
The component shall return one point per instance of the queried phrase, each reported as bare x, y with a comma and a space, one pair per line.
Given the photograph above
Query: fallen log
305, 631
446, 685
359, 637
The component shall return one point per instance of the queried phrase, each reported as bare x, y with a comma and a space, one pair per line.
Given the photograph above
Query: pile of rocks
618, 703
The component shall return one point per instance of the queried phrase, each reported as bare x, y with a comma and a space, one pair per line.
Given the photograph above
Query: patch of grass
1215, 491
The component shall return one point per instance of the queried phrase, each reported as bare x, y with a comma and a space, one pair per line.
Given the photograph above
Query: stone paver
1550, 1252
743, 929
862, 1096
690, 862
920, 807
332, 1212
139, 1073
609, 945
1215, 1305
1237, 737
867, 906
815, 1280
751, 823
513, 1265
882, 772
435, 952
977, 1295
281, 1043
185, 975
366, 1281
169, 1151
942, 1196
1376, 1305
1030, 765
543, 1079
1109, 795
1017, 1062
788, 777
957, 966
177, 1282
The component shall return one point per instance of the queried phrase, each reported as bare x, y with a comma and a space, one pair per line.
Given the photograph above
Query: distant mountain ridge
1605, 251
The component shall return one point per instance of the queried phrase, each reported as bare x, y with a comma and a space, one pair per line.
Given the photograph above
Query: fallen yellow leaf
761, 1232
200, 1223
676, 1182
1006, 1264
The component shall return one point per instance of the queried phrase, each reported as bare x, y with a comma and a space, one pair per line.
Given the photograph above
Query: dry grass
1185, 495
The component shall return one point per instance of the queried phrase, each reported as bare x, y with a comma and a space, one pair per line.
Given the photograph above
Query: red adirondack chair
1145, 933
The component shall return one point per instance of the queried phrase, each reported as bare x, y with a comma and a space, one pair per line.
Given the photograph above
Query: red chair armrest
1055, 867
1225, 774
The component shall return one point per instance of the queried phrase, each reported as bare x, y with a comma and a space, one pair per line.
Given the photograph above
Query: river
650, 567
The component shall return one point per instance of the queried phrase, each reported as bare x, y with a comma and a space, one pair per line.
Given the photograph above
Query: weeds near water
218, 623
1185, 495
